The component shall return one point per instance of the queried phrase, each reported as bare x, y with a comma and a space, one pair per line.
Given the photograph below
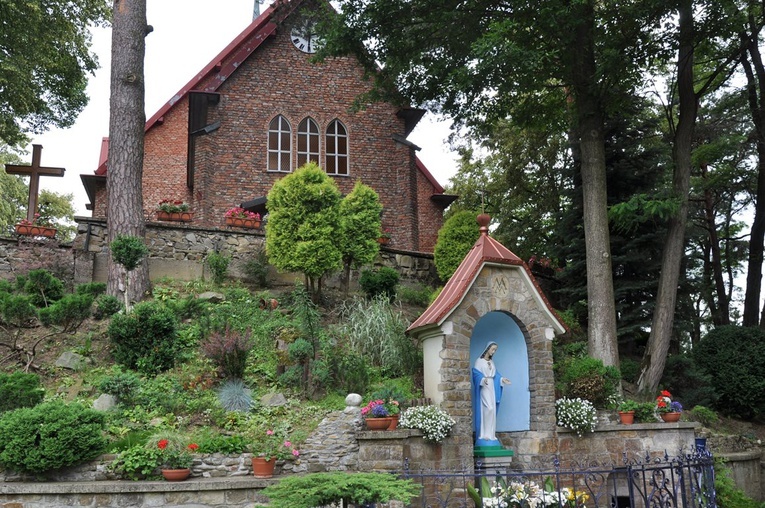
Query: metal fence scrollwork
686, 481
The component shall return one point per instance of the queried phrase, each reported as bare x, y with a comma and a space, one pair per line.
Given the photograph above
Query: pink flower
269, 432
287, 444
295, 453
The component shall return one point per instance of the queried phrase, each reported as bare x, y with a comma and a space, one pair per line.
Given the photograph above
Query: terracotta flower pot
176, 475
262, 468
393, 422
670, 417
383, 240
627, 417
33, 230
378, 423
243, 223
175, 216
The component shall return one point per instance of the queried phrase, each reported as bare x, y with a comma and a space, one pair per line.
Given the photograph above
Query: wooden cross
35, 171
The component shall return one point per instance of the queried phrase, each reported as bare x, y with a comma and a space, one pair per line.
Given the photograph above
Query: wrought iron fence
686, 481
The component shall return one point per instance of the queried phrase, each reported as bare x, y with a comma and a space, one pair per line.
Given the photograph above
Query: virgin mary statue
487, 393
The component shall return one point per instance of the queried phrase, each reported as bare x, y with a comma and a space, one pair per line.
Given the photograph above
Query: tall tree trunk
755, 77
655, 356
126, 130
601, 309
721, 311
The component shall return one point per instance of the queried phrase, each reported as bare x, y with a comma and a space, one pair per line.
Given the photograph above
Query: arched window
279, 145
308, 142
337, 148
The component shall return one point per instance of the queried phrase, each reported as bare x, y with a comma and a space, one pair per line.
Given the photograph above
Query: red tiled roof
486, 250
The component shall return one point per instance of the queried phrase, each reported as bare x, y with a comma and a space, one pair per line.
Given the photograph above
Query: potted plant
268, 447
173, 210
36, 227
434, 422
669, 410
576, 414
626, 409
175, 458
376, 415
384, 237
241, 218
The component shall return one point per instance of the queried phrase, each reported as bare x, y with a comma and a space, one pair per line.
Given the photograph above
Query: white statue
487, 393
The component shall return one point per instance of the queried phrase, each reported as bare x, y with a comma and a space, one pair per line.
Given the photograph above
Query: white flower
576, 414
434, 422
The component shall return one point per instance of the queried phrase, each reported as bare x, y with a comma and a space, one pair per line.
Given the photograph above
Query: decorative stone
353, 399
71, 361
104, 402
273, 399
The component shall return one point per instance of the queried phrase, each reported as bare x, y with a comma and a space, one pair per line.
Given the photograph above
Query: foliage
218, 264
172, 206
303, 225
106, 306
588, 378
420, 296
137, 462
379, 282
576, 414
628, 405
455, 238
630, 369
48, 76
19, 389
704, 415
645, 412
128, 251
213, 442
12, 188
359, 229
69, 312
273, 444
434, 422
43, 287
741, 382
665, 404
56, 210
229, 350
256, 268
174, 451
377, 332
93, 289
49, 436
235, 396
689, 382
17, 310
122, 385
727, 494
341, 488
146, 339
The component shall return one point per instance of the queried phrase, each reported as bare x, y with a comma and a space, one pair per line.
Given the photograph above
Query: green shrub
379, 281
689, 383
256, 268
139, 462
341, 488
415, 296
350, 370
734, 358
145, 340
106, 306
234, 396
703, 415
122, 385
69, 312
587, 378
219, 443
50, 436
218, 264
455, 238
6, 286
17, 310
19, 389
630, 369
727, 494
43, 287
93, 289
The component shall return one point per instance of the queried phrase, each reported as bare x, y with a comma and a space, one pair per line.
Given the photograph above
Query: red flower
661, 403
665, 393
193, 447
162, 444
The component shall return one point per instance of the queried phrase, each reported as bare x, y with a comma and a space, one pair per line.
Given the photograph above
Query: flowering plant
434, 422
576, 414
173, 206
173, 455
665, 404
274, 444
240, 213
36, 221
385, 233
528, 494
375, 409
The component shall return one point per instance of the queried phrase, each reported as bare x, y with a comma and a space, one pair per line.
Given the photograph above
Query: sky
187, 35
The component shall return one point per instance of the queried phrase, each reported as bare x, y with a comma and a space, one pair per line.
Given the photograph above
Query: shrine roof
485, 251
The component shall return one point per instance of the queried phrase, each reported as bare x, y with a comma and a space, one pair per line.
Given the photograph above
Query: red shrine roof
485, 251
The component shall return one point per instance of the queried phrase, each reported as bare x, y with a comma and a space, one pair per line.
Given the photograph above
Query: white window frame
280, 126
333, 138
308, 131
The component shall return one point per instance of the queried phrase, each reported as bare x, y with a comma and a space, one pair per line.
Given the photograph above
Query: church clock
304, 37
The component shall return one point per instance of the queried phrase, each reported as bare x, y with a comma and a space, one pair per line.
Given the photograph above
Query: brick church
259, 110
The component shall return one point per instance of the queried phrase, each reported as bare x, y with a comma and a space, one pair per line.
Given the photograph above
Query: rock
211, 296
71, 361
353, 399
273, 399
104, 402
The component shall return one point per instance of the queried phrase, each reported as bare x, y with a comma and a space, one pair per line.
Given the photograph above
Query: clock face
305, 38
